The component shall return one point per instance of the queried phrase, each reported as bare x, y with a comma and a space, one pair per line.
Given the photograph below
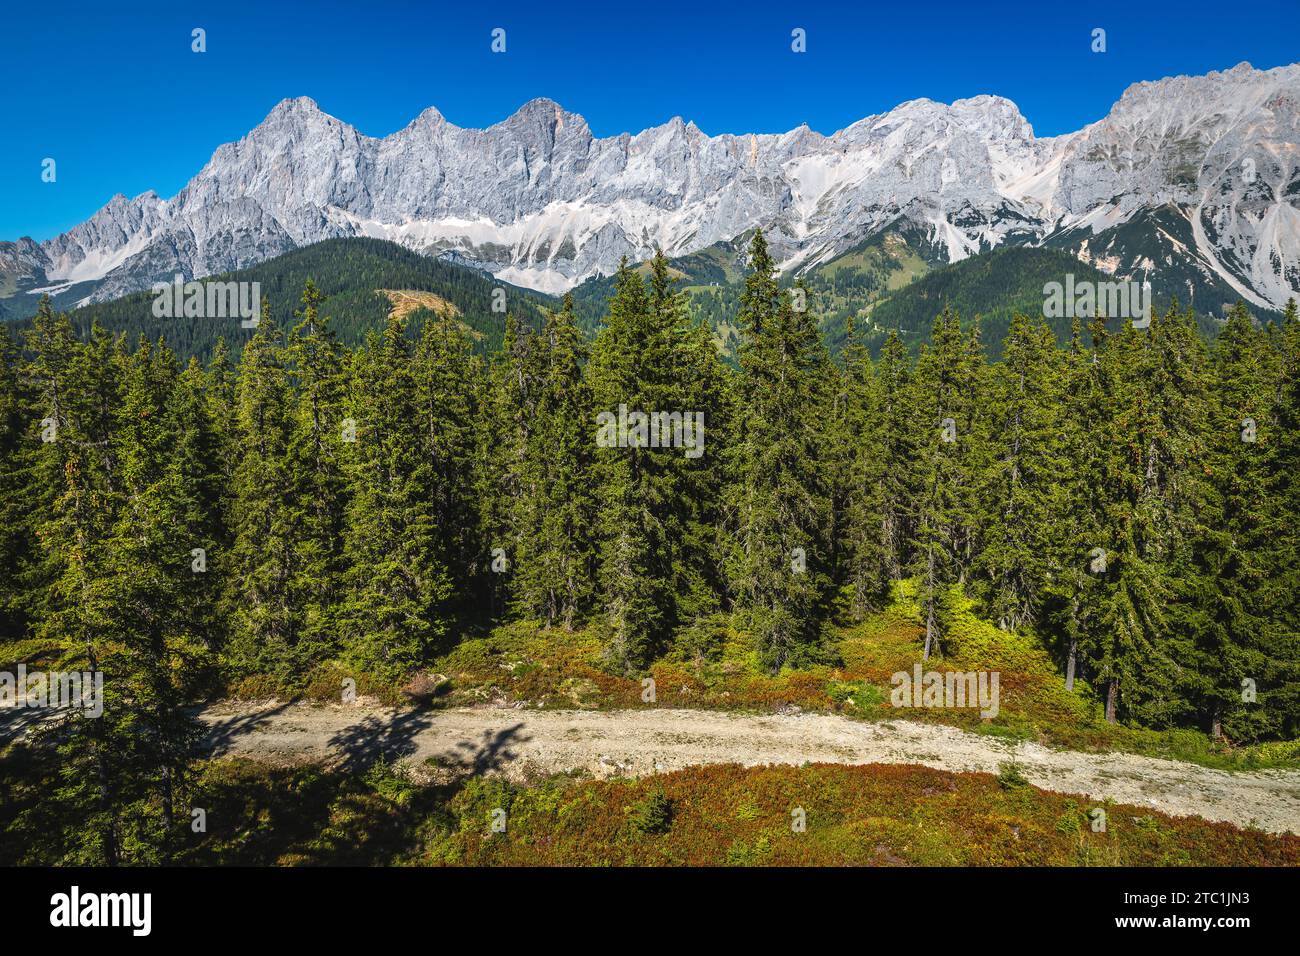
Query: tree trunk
168, 800
929, 605
1071, 660
929, 631
1112, 699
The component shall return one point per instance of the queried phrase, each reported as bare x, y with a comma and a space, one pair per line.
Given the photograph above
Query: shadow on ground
217, 739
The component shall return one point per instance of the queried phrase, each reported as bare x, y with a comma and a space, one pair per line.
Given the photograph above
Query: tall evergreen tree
860, 463
898, 474
780, 498
1226, 584
152, 612
264, 614
944, 393
657, 496
1017, 482
1279, 688
318, 431
1077, 505
17, 451
395, 613
556, 557
446, 373
75, 388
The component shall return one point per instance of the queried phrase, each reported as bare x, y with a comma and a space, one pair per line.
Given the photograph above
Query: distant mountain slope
993, 287
895, 280
353, 273
889, 282
1160, 245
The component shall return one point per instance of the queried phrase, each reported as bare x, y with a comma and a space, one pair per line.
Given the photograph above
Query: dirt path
524, 744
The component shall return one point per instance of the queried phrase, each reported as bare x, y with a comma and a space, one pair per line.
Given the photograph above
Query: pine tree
898, 473
1279, 686
628, 376
264, 617
975, 448
1077, 505
75, 389
16, 457
858, 506
1226, 585
198, 474
1016, 484
1156, 435
944, 394
780, 498
505, 421
446, 375
154, 611
707, 389
657, 491
220, 391
318, 431
556, 556
398, 584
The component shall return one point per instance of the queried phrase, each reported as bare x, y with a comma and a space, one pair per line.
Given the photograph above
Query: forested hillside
994, 287
895, 282
1129, 502
350, 272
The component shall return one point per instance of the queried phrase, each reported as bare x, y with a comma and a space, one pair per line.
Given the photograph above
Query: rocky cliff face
541, 202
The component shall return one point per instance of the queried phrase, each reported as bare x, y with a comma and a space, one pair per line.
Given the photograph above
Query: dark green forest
348, 271
1130, 498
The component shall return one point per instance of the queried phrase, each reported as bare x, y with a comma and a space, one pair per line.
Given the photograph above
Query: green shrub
653, 813
1011, 778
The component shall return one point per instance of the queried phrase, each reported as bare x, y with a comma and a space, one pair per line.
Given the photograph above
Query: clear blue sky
114, 94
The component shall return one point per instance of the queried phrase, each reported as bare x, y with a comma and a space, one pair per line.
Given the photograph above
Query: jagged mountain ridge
540, 201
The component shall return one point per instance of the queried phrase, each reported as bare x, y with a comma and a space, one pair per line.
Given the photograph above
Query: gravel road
525, 744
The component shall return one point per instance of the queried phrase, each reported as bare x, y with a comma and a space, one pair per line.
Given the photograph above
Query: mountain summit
1193, 179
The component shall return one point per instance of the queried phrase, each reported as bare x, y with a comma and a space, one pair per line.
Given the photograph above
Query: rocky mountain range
1192, 182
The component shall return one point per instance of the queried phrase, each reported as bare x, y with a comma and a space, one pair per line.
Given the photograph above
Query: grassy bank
712, 816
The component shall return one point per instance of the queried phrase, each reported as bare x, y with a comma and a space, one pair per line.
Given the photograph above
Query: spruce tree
945, 400
153, 609
1016, 483
898, 473
658, 497
263, 614
556, 550
75, 390
780, 498
1226, 584
398, 584
1279, 688
446, 375
1077, 505
317, 434
858, 506
17, 453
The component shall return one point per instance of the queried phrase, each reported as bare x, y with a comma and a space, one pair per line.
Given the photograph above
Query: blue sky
114, 94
